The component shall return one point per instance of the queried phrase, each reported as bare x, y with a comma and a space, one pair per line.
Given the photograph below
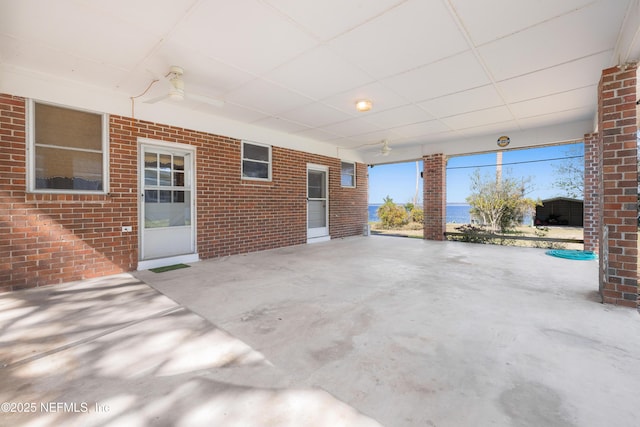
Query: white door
166, 204
317, 203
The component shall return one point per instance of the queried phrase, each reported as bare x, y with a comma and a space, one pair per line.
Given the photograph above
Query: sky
399, 180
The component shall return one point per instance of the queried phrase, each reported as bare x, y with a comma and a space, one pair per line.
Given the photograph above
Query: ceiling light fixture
363, 105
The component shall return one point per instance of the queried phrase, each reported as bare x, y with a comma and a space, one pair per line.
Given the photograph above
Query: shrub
417, 215
472, 234
391, 215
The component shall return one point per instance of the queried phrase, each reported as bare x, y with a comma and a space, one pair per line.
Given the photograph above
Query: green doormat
169, 268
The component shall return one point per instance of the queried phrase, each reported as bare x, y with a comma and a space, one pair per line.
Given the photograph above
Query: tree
499, 203
570, 172
392, 215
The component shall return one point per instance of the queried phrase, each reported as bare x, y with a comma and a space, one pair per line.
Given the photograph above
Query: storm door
317, 203
166, 203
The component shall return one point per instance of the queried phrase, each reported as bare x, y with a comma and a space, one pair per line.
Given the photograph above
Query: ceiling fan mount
177, 83
385, 150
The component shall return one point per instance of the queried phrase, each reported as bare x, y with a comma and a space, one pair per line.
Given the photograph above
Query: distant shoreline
457, 213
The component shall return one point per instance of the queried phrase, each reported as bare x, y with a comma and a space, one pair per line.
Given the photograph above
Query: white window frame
342, 174
242, 159
31, 152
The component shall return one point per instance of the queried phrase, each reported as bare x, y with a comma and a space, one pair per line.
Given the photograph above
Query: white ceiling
437, 71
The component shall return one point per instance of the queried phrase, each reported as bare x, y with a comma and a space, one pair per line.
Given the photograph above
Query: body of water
456, 213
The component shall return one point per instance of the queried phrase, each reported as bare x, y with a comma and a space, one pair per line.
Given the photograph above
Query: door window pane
151, 196
168, 214
165, 162
178, 179
317, 213
165, 196
178, 163
150, 160
165, 178
165, 205
150, 177
316, 184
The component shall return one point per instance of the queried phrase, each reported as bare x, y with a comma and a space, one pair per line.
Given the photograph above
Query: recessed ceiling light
364, 105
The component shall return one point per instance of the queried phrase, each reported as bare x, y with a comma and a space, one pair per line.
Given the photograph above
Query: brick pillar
619, 180
591, 192
434, 196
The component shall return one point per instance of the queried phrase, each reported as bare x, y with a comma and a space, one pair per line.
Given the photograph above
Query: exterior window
67, 150
256, 161
348, 174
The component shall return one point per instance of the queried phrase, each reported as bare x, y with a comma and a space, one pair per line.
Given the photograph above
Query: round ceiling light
364, 105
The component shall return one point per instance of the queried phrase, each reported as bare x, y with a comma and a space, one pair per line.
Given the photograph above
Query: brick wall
48, 239
434, 196
591, 211
618, 181
348, 207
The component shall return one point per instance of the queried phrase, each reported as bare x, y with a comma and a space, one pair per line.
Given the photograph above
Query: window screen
68, 149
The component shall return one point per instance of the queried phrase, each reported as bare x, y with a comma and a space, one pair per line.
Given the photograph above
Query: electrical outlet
127, 229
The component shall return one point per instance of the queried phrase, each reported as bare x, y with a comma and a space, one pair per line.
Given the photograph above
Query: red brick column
619, 180
592, 211
434, 196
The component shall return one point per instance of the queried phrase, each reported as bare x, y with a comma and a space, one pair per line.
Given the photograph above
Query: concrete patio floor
362, 331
